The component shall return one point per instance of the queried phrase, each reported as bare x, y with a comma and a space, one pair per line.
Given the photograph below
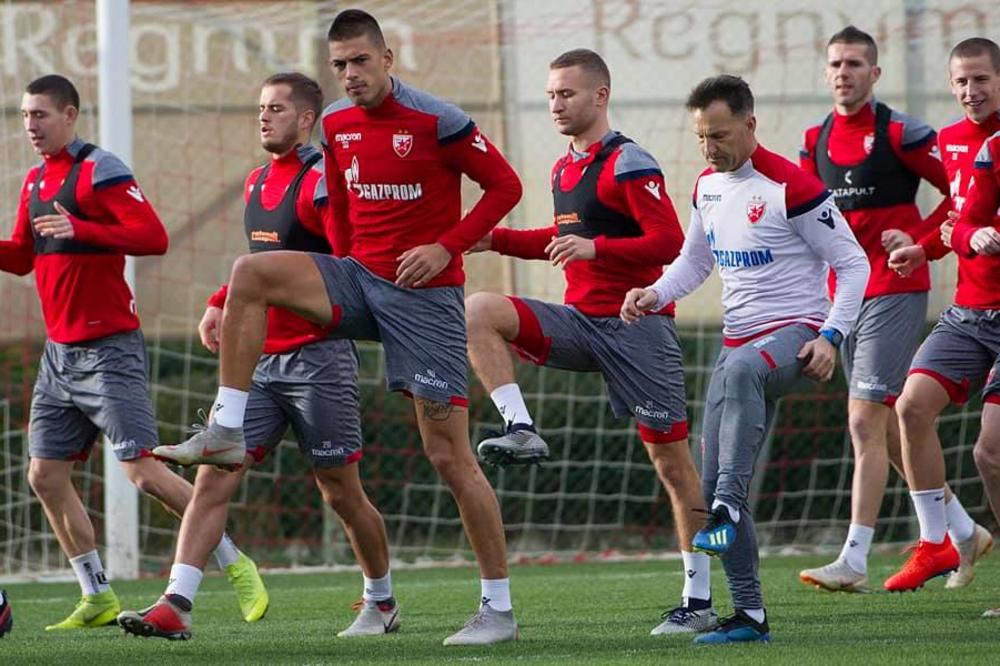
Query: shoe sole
820, 585
137, 627
500, 457
391, 630
515, 637
93, 625
766, 638
708, 551
929, 578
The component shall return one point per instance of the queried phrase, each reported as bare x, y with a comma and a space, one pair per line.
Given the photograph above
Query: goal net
197, 67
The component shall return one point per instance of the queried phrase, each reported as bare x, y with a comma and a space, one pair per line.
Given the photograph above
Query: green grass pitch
595, 613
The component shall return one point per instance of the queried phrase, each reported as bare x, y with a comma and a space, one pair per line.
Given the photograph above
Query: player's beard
280, 145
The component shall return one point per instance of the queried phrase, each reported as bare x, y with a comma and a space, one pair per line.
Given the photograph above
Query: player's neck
590, 136
58, 151
294, 149
852, 109
992, 117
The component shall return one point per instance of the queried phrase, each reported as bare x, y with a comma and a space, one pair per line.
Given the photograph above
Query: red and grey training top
980, 287
80, 281
614, 193
394, 174
872, 161
959, 142
285, 203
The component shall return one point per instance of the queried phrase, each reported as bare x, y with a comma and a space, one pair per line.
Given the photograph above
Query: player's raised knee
488, 312
914, 408
44, 479
986, 453
246, 276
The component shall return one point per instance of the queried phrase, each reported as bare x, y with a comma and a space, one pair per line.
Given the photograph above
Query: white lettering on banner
167, 46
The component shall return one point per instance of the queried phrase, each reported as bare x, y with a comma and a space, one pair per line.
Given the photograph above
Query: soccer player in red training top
772, 229
872, 158
394, 162
304, 379
80, 213
615, 228
962, 349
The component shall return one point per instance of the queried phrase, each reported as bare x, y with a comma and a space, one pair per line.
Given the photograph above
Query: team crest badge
402, 144
755, 209
869, 143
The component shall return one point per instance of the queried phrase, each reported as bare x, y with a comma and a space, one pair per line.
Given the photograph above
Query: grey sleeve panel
916, 132
634, 162
453, 122
108, 169
332, 108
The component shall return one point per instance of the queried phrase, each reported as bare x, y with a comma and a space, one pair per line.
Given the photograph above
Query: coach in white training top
773, 230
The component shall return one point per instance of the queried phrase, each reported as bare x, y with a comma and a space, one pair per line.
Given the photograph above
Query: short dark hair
854, 35
732, 90
306, 93
57, 88
977, 46
352, 23
587, 60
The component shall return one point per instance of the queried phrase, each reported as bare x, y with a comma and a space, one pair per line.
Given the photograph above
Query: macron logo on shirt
135, 193
478, 142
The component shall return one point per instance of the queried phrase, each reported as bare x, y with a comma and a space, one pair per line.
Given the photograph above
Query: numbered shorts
878, 352
313, 389
961, 353
422, 331
641, 362
92, 387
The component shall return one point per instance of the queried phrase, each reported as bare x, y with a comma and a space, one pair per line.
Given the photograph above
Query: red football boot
927, 561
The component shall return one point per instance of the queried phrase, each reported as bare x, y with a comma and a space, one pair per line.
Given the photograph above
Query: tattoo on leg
435, 411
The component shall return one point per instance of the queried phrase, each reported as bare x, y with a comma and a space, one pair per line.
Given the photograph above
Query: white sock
184, 580
230, 405
961, 527
929, 505
90, 573
697, 570
734, 513
377, 589
226, 552
857, 546
510, 404
496, 593
757, 614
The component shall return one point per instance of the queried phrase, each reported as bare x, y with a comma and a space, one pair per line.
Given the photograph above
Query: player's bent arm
649, 205
336, 222
17, 255
689, 270
905, 260
480, 160
131, 225
830, 237
978, 213
921, 155
522, 243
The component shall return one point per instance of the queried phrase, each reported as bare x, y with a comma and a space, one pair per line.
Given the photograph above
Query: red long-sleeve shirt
959, 142
85, 296
630, 183
913, 142
394, 175
979, 285
287, 331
